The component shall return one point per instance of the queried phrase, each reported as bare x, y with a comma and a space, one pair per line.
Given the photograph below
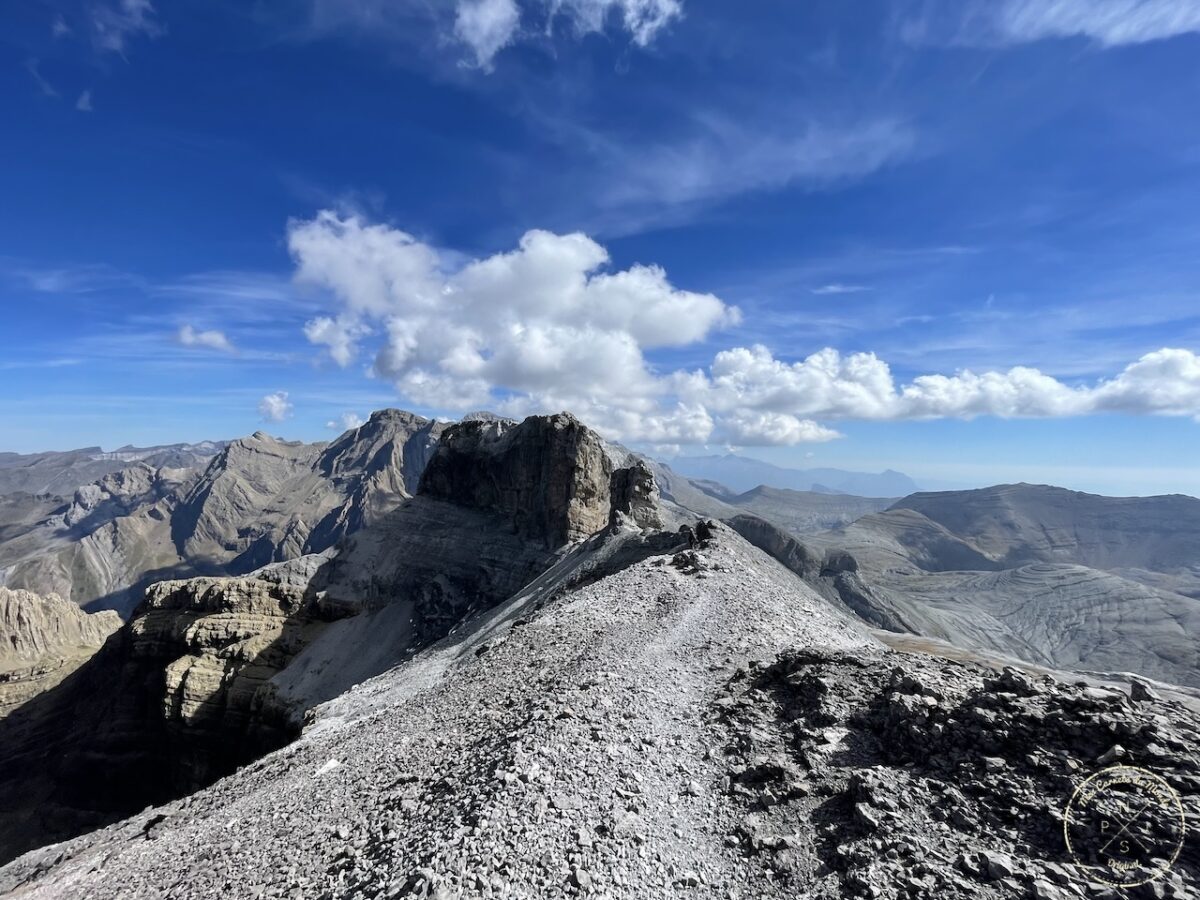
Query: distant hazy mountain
742, 473
62, 472
797, 512
1050, 575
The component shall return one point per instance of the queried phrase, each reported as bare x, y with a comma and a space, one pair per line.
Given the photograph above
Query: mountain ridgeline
1033, 572
213, 671
258, 500
509, 659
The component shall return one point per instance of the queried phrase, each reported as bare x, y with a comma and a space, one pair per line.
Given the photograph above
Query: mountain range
62, 472
250, 502
494, 658
744, 473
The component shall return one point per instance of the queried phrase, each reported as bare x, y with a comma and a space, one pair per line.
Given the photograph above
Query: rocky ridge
695, 723
62, 473
211, 672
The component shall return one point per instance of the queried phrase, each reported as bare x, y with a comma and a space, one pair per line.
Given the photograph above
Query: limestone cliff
548, 476
42, 641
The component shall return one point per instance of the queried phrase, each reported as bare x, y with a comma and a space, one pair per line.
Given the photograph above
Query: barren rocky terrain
42, 641
522, 663
255, 501
697, 725
1040, 574
60, 473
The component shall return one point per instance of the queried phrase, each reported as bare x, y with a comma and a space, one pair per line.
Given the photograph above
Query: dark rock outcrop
548, 477
635, 498
772, 540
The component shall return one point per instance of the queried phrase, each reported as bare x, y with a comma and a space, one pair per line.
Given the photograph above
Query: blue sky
695, 224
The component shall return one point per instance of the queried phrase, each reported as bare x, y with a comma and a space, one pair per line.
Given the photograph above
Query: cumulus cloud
275, 407
345, 422
1108, 23
339, 335
213, 340
84, 103
114, 24
861, 386
545, 323
486, 26
549, 326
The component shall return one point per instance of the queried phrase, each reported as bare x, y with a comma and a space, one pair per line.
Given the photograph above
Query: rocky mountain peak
389, 438
548, 475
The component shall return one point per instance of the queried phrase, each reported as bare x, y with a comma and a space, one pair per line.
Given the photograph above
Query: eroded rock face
33, 627
218, 642
549, 476
635, 498
42, 641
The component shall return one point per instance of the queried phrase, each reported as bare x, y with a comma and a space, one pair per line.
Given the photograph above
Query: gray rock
1140, 692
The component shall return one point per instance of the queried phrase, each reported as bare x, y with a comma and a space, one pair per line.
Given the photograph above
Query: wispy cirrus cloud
723, 158
33, 67
1108, 23
484, 28
838, 287
637, 183
115, 24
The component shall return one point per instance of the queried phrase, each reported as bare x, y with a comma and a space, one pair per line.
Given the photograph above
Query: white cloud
84, 103
33, 67
59, 27
1109, 23
486, 26
861, 386
115, 23
838, 288
547, 326
345, 422
763, 427
213, 340
276, 407
643, 19
723, 159
340, 335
